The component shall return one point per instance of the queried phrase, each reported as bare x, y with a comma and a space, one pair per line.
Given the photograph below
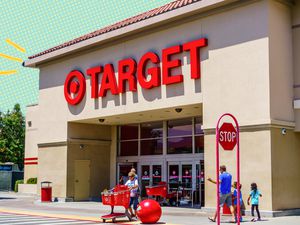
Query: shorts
134, 202
227, 198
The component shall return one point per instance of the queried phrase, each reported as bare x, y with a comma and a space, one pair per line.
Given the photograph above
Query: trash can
46, 191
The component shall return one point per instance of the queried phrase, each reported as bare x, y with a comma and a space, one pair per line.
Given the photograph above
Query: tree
12, 136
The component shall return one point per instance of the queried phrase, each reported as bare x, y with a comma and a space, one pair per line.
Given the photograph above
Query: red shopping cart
158, 190
118, 196
161, 194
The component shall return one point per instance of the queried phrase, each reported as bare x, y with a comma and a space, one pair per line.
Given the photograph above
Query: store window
179, 136
199, 136
129, 132
152, 138
149, 137
128, 141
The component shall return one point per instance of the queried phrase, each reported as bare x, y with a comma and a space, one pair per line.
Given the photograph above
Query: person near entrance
134, 171
133, 186
138, 190
254, 196
225, 192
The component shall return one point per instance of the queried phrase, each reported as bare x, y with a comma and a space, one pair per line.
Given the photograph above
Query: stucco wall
296, 13
113, 156
96, 148
89, 131
30, 171
255, 165
31, 141
296, 57
53, 167
285, 169
281, 61
99, 156
236, 74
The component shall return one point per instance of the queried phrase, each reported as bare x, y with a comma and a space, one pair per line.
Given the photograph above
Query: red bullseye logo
75, 87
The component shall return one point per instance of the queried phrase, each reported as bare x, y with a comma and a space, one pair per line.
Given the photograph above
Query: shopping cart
161, 194
118, 196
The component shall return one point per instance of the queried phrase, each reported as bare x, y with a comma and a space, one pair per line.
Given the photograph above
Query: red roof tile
143, 16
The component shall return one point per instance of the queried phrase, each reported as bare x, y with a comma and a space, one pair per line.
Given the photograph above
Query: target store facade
146, 93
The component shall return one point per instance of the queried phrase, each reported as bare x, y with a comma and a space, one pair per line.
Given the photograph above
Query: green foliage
32, 181
12, 136
16, 184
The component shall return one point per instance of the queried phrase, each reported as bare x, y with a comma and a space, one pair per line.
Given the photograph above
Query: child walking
234, 196
254, 196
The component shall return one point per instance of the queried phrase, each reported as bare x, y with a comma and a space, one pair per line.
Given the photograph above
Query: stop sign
227, 136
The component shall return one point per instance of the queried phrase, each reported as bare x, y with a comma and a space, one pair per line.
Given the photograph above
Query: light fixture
101, 120
283, 131
81, 146
178, 110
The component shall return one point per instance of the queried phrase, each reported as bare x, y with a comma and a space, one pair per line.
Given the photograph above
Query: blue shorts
226, 198
134, 202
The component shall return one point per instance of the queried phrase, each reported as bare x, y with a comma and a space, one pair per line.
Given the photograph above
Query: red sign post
228, 137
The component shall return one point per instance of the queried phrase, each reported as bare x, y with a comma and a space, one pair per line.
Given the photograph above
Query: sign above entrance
227, 136
149, 72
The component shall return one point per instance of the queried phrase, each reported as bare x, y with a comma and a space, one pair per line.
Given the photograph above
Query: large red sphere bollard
149, 211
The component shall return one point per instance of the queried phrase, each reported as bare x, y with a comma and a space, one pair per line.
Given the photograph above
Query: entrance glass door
187, 183
123, 170
151, 174
199, 193
156, 174
173, 178
187, 180
145, 179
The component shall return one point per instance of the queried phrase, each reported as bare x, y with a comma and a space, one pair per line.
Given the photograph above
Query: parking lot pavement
60, 219
20, 209
14, 219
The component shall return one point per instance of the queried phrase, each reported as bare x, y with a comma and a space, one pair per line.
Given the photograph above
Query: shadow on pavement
5, 198
247, 220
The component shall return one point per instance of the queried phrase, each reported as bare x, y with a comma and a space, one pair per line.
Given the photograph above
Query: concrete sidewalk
87, 208
30, 205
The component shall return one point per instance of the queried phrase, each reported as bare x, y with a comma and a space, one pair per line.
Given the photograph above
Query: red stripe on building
30, 163
35, 158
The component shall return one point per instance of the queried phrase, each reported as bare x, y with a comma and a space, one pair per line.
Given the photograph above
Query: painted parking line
48, 215
16, 219
36, 218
